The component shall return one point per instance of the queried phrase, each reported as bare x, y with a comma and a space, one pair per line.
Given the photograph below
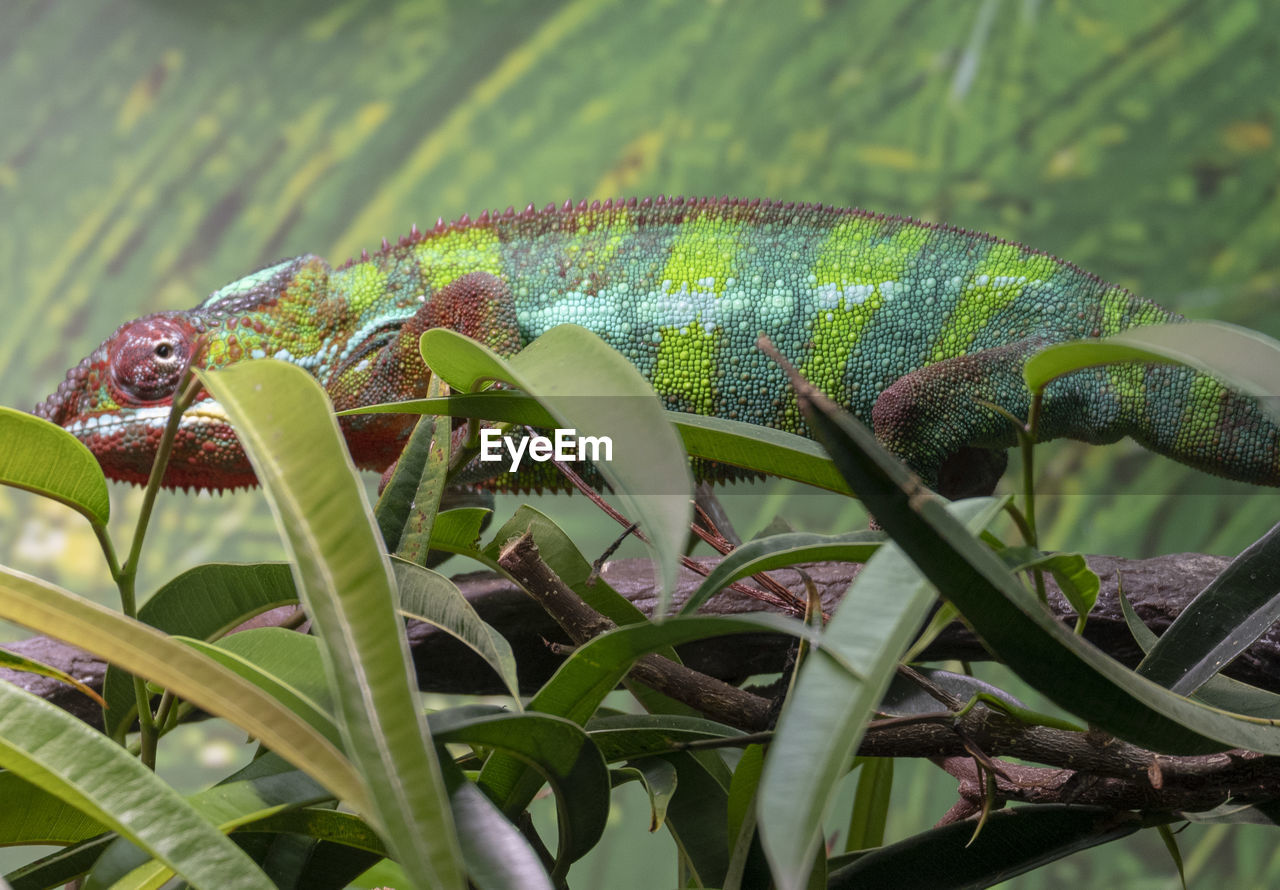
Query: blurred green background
151, 152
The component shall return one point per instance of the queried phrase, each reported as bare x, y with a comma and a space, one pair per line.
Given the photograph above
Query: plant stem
127, 574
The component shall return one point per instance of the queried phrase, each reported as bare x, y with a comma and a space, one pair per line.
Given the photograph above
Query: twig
715, 698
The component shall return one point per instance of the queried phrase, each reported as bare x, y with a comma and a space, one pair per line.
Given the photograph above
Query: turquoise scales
903, 322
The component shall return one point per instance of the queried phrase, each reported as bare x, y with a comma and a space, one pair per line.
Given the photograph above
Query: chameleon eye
147, 357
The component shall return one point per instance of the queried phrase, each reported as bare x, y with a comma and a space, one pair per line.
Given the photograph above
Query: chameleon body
906, 324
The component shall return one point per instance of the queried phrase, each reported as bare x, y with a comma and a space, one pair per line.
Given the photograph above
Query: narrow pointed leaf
283, 419
698, 819
1219, 691
1012, 842
593, 670
870, 803
777, 551
588, 386
14, 662
42, 457
414, 543
203, 602
144, 651
1224, 619
658, 777
431, 597
824, 717
747, 446
228, 806
635, 736
560, 751
1244, 360
1072, 672
55, 751
396, 500
61, 866
498, 857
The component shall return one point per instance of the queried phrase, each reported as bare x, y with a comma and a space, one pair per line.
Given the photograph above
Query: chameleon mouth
202, 414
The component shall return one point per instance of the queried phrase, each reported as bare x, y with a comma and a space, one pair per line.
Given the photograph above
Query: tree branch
1077, 767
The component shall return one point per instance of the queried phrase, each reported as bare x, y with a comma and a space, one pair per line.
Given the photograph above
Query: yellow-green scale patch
1000, 278
598, 237
834, 334
1197, 429
301, 320
703, 256
853, 264
1121, 311
366, 285
448, 256
685, 370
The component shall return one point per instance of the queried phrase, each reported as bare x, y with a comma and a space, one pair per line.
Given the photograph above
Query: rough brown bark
1078, 767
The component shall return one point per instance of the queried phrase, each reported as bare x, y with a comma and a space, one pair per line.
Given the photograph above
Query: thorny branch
1083, 768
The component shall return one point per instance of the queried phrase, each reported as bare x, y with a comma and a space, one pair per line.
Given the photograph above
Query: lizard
909, 325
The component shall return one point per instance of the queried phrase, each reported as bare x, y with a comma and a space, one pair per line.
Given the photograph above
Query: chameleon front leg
934, 420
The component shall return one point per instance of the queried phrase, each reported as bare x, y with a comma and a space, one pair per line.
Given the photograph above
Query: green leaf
593, 670
906, 698
32, 815
283, 663
777, 551
498, 857
395, 503
14, 662
560, 751
748, 446
1077, 582
42, 457
144, 651
1171, 844
261, 789
1223, 620
458, 530
1219, 691
1013, 624
61, 866
323, 824
759, 448
283, 420
415, 539
658, 777
1261, 813
1243, 360
588, 386
65, 757
1012, 842
825, 715
431, 597
635, 736
870, 803
747, 864
698, 819
203, 602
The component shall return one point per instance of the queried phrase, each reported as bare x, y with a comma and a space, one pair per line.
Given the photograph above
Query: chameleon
909, 325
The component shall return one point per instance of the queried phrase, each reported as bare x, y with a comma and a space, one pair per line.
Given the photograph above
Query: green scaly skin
906, 324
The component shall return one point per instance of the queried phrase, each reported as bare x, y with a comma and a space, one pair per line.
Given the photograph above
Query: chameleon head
117, 403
